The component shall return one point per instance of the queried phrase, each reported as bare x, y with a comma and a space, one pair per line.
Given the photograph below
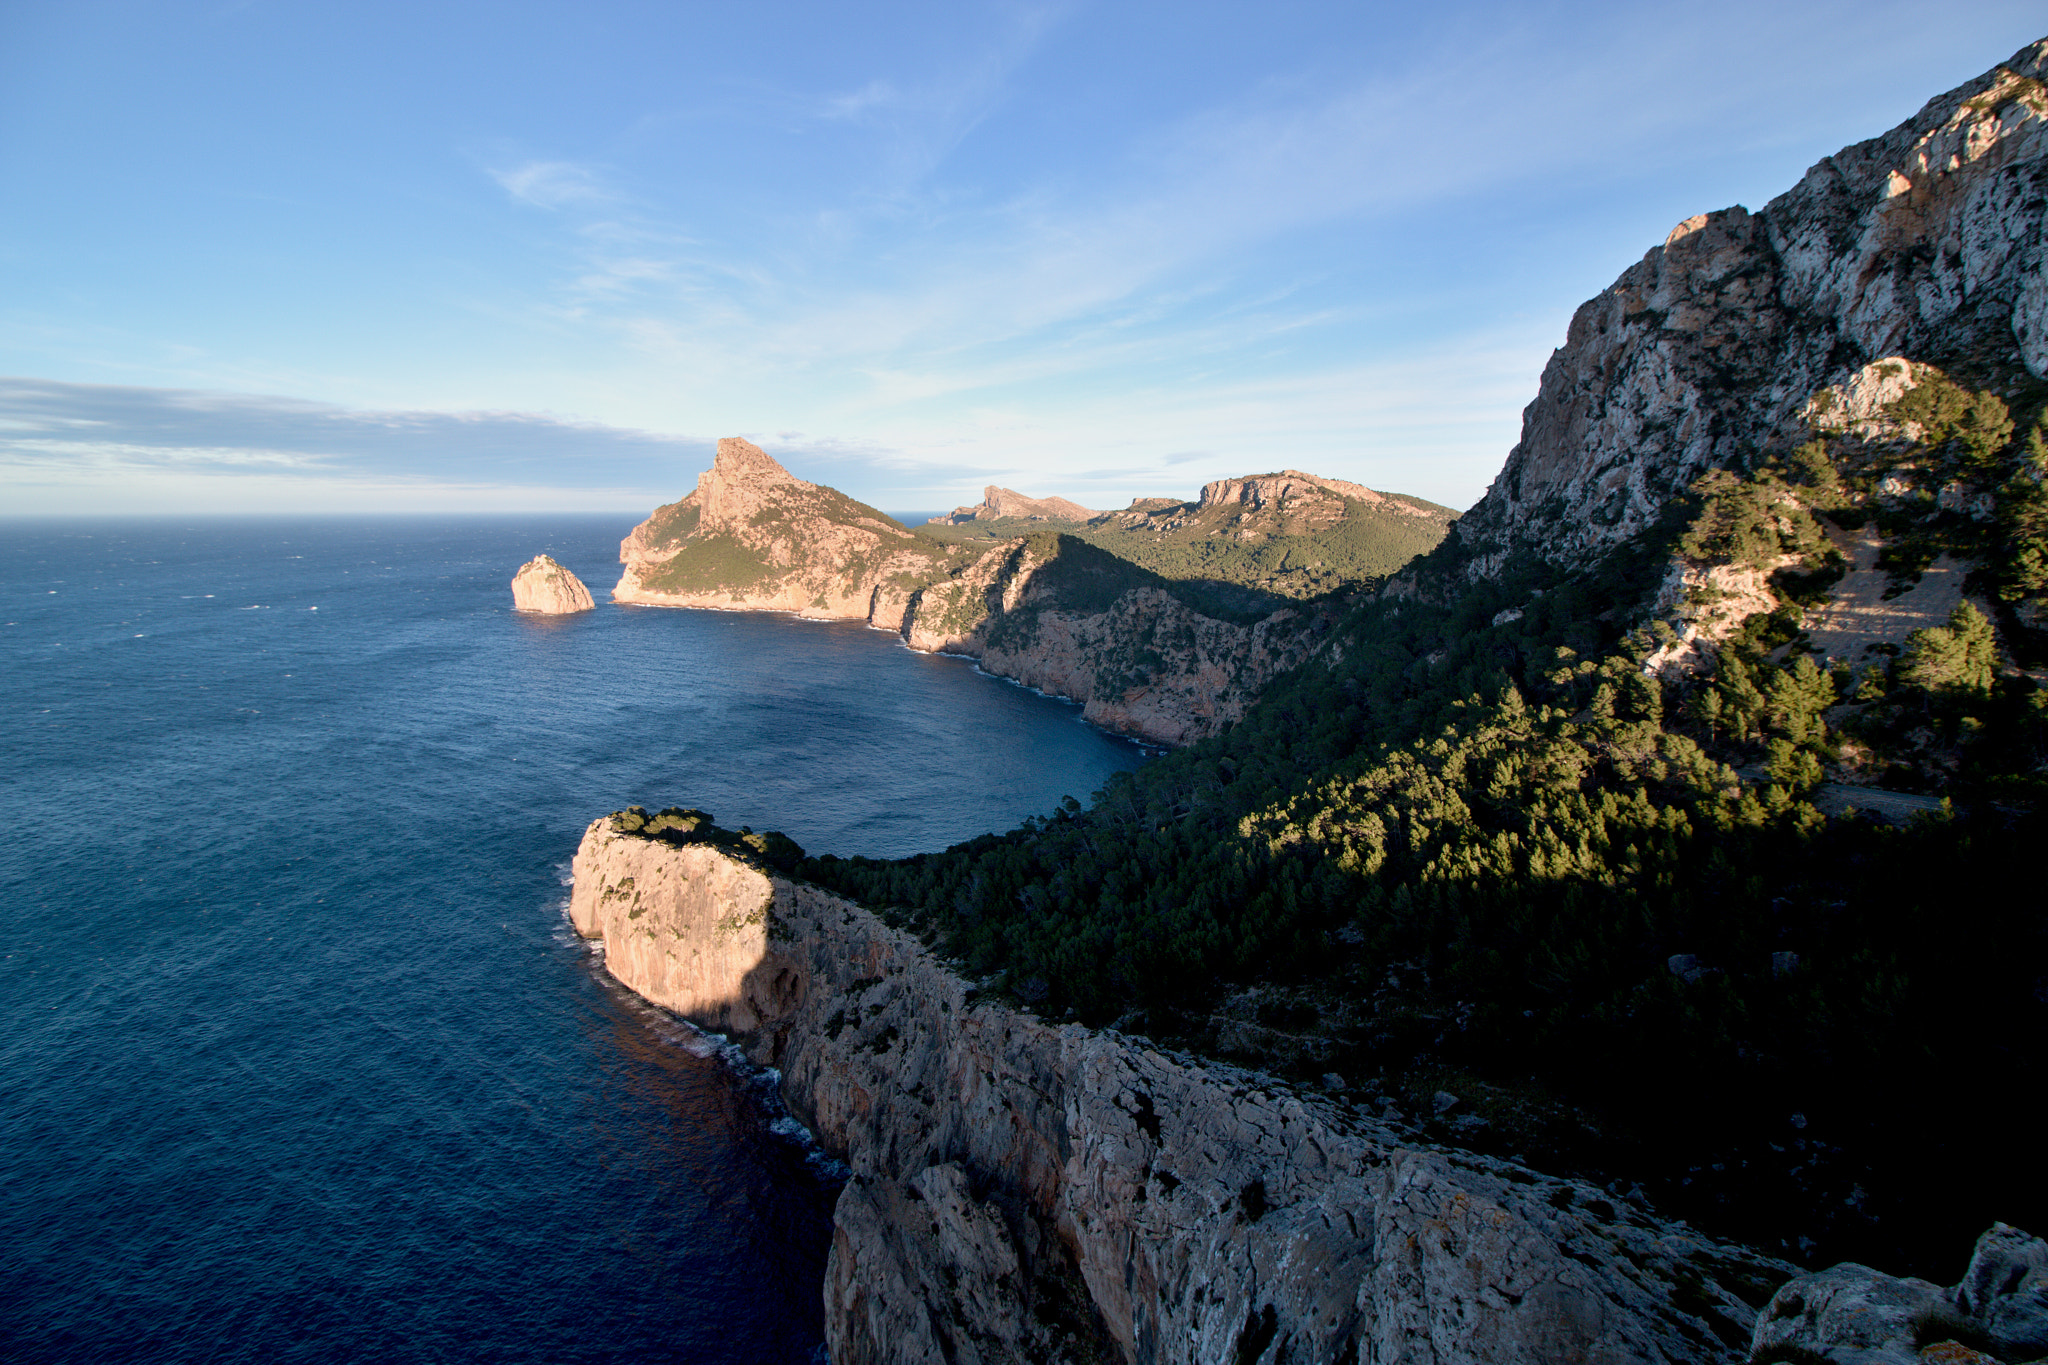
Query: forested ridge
1478, 852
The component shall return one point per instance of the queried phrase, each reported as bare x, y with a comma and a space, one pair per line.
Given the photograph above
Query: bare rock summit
754, 537
1000, 503
544, 586
1927, 243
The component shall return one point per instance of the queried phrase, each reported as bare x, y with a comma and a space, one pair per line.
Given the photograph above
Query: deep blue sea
301, 1061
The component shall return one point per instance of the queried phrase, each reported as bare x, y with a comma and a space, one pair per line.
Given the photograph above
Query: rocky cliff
1143, 657
755, 537
543, 586
1004, 504
1057, 614
1926, 243
1022, 1191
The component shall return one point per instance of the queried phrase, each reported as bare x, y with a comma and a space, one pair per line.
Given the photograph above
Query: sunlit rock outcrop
1925, 243
544, 586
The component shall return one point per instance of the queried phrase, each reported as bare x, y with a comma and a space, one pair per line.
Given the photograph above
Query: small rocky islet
549, 589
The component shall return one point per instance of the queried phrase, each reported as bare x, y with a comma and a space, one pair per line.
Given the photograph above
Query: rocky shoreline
1023, 1190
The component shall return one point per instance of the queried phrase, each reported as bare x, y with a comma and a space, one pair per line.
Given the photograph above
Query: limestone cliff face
1139, 660
543, 586
1927, 243
755, 537
1026, 1192
998, 504
679, 924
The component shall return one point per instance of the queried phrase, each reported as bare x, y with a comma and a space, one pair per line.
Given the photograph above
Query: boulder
1854, 1315
544, 586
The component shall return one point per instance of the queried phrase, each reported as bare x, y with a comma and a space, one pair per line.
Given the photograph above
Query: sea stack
544, 586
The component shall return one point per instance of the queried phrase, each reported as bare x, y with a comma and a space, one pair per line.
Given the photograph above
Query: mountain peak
1704, 354
740, 474
739, 458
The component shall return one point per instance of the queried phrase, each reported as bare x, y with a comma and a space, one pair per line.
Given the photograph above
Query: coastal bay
306, 1058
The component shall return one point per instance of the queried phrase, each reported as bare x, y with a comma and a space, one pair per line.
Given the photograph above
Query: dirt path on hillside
1857, 615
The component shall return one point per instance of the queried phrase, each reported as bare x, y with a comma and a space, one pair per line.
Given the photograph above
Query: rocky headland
1145, 655
1025, 1191
544, 586
754, 537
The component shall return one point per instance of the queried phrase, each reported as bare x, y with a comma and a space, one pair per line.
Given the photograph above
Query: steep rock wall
1027, 1192
679, 924
1142, 664
1927, 242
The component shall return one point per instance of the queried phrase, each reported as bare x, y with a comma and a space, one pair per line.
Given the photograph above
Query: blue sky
268, 256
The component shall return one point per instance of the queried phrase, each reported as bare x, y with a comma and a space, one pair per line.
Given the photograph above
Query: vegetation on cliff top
1478, 849
1229, 544
1243, 557
681, 825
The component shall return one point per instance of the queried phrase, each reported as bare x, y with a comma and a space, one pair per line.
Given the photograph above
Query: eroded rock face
1151, 667
1145, 664
542, 585
1026, 1192
754, 537
679, 924
1858, 1316
1927, 242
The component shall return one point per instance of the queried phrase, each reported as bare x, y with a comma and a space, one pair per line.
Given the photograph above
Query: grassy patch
710, 564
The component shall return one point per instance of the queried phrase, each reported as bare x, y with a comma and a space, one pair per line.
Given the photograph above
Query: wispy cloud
554, 184
921, 291
19, 455
55, 435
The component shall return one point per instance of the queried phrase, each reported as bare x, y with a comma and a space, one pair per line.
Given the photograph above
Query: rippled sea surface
301, 1062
